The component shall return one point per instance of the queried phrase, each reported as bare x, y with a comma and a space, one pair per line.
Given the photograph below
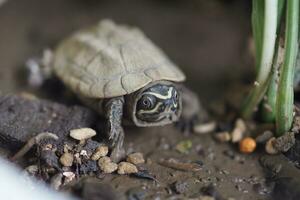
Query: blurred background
209, 40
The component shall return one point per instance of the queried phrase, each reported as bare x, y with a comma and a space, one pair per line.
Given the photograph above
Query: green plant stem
268, 44
281, 7
269, 103
257, 19
285, 96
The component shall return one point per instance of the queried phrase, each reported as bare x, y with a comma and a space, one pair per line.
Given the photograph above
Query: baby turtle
119, 72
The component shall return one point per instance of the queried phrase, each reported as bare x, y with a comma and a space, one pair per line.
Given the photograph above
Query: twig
32, 141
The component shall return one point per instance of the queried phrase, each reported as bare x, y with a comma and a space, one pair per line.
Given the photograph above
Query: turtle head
158, 104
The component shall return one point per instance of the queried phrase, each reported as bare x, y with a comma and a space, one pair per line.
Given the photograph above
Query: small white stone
238, 131
135, 158
66, 159
269, 147
127, 168
222, 136
205, 127
101, 151
83, 153
82, 133
70, 176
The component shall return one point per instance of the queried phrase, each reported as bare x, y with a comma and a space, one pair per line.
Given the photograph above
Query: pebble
205, 127
82, 133
238, 131
180, 187
101, 151
184, 146
269, 147
264, 137
109, 167
66, 159
83, 153
103, 160
106, 165
136, 158
247, 145
67, 148
127, 168
222, 136
69, 176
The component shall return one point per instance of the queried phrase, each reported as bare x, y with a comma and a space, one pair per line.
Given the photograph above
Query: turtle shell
110, 60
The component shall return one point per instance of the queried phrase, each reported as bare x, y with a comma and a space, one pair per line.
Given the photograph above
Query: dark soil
22, 118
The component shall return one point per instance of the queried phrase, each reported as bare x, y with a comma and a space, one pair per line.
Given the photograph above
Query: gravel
82, 133
127, 168
136, 158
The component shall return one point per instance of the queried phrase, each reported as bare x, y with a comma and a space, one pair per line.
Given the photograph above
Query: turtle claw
113, 136
117, 154
116, 137
186, 125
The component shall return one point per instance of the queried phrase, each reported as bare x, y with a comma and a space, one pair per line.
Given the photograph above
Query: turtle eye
146, 103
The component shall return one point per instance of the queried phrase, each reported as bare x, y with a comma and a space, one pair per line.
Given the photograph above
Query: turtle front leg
192, 111
114, 113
